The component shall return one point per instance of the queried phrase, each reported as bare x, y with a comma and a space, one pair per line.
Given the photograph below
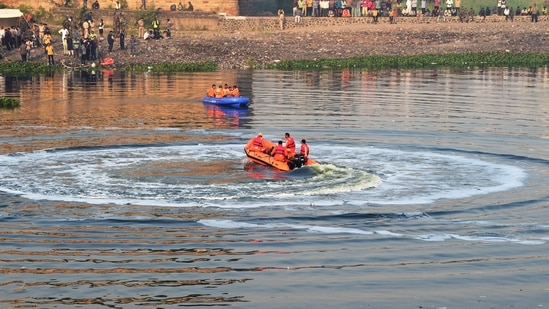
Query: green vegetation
38, 14
148, 16
26, 68
206, 66
419, 61
9, 103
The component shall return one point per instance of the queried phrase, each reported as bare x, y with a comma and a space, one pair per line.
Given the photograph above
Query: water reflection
112, 100
222, 116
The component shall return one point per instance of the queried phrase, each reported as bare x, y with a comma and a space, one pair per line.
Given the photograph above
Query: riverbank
243, 49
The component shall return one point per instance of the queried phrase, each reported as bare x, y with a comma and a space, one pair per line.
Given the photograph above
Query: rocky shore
240, 49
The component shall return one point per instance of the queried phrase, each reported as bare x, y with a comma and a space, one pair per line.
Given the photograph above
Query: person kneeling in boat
279, 152
256, 143
211, 91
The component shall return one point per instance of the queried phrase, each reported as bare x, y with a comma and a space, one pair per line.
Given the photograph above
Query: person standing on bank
141, 27
117, 7
50, 53
133, 44
110, 40
101, 28
122, 38
281, 19
535, 13
156, 28
23, 52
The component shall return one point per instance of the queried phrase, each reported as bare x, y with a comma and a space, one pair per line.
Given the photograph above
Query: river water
123, 190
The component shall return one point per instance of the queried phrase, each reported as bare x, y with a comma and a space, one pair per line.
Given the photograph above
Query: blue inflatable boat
227, 101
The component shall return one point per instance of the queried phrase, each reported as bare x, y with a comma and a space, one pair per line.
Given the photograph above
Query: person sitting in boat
279, 152
211, 91
219, 93
256, 143
290, 145
226, 91
304, 149
235, 92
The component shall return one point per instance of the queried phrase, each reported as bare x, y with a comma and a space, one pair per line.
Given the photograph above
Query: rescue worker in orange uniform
226, 91
290, 145
304, 149
211, 91
235, 92
279, 152
219, 92
256, 143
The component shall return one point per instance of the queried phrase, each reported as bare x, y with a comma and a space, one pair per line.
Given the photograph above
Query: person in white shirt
64, 33
148, 35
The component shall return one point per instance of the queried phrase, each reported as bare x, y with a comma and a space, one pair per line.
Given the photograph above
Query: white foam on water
348, 175
229, 224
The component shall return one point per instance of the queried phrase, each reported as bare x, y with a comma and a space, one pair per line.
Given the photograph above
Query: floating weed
206, 66
501, 59
26, 68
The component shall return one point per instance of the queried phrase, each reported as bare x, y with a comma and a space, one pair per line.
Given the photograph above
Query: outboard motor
291, 164
297, 161
301, 158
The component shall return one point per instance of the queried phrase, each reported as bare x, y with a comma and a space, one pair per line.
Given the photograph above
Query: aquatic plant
206, 66
26, 68
462, 60
9, 103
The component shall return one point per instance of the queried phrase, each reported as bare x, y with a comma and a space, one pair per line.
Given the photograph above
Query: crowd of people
222, 92
81, 40
393, 9
181, 7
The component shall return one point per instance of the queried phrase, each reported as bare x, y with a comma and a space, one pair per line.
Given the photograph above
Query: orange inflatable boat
265, 158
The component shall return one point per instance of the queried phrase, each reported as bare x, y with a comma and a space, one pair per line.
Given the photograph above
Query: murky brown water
124, 190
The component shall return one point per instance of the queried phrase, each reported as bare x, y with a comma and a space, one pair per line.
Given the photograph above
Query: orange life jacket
290, 143
305, 150
211, 92
258, 142
279, 153
219, 92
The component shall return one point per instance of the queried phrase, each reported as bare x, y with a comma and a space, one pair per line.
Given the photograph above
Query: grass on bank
9, 103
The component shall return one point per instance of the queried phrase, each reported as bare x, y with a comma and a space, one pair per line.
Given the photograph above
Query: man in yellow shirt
50, 53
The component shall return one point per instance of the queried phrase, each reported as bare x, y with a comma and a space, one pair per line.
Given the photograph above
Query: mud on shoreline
240, 49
